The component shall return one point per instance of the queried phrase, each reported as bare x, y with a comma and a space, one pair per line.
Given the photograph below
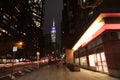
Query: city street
19, 69
51, 72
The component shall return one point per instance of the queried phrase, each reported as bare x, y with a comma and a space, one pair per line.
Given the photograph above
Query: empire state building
53, 33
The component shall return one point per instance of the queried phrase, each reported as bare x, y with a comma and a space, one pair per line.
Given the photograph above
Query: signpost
14, 50
38, 57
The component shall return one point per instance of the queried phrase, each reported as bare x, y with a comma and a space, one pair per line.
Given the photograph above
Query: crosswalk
18, 74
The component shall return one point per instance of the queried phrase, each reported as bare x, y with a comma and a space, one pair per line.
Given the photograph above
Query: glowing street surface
51, 72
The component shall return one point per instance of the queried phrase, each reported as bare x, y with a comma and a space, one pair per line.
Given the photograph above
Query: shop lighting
96, 28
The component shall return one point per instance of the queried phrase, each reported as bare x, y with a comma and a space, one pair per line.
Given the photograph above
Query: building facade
21, 21
96, 43
53, 32
100, 51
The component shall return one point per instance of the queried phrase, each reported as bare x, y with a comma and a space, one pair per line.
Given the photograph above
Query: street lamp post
38, 57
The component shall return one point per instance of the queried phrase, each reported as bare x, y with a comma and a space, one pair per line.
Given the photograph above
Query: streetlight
19, 44
38, 57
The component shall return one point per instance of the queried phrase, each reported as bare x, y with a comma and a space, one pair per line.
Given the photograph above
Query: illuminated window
83, 61
92, 60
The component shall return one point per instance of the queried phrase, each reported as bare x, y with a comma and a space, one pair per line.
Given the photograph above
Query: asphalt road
19, 70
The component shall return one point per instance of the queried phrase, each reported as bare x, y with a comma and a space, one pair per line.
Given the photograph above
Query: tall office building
21, 20
53, 33
37, 12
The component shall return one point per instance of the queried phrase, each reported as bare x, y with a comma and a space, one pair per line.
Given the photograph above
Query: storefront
98, 62
83, 61
95, 61
99, 46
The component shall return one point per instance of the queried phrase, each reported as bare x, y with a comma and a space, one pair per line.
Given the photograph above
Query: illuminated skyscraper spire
53, 32
53, 22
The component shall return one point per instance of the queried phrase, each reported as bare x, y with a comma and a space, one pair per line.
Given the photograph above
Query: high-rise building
91, 34
47, 44
53, 32
37, 14
22, 20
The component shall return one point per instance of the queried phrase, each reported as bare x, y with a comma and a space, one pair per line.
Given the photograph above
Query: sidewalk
51, 72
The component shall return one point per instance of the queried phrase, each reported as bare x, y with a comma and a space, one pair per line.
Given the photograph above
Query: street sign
14, 48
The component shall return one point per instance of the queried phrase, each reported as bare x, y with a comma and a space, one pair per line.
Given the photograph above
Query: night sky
53, 9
